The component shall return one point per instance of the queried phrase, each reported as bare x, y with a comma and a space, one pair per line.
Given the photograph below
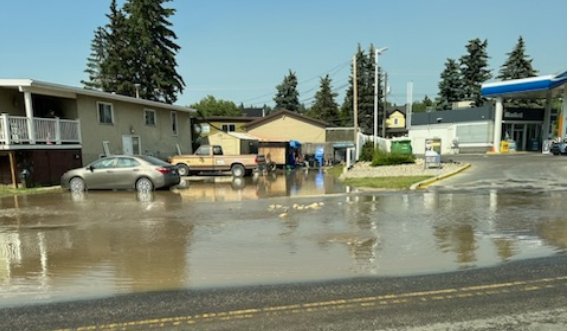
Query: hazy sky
241, 50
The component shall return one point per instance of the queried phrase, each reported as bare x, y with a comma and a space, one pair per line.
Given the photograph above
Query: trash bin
513, 146
533, 145
25, 178
401, 147
311, 159
319, 154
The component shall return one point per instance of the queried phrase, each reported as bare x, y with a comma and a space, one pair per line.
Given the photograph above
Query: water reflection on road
61, 246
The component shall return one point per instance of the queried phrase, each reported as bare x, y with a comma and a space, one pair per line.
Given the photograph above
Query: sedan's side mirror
91, 168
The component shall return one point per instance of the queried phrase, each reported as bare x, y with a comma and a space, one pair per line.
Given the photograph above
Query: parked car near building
142, 173
558, 148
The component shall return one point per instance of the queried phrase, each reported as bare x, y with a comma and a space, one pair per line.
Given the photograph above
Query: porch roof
52, 89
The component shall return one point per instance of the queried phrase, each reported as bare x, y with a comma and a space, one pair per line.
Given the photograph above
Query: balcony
18, 132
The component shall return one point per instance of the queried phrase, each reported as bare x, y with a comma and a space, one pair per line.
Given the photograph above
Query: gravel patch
364, 169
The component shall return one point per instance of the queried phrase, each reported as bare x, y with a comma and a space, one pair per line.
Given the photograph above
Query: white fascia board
71, 92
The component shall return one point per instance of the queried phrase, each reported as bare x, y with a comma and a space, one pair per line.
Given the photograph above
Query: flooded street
304, 226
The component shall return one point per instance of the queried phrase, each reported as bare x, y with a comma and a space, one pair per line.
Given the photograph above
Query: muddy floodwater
274, 229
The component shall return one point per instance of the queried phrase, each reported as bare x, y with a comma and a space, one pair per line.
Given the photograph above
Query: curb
429, 181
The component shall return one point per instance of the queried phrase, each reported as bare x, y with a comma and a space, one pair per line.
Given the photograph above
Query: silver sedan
139, 172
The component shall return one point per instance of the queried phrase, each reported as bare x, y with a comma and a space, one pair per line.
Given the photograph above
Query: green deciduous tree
210, 106
451, 86
325, 107
474, 69
422, 106
287, 94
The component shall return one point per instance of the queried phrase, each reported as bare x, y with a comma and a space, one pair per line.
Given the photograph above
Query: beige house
285, 124
49, 128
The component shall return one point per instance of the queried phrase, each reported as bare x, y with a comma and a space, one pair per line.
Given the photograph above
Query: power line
333, 71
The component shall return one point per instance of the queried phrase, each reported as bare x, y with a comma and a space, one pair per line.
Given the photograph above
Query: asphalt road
524, 295
528, 171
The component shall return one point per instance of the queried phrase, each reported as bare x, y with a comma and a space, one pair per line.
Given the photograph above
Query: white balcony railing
16, 130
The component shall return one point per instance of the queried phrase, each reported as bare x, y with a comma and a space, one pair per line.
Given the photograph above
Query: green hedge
380, 157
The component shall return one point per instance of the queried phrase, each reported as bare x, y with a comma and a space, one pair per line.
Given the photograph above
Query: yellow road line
340, 304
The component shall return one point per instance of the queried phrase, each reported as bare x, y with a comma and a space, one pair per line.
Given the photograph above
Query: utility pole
384, 106
375, 101
355, 102
409, 106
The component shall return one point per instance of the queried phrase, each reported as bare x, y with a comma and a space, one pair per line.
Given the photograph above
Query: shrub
381, 158
367, 152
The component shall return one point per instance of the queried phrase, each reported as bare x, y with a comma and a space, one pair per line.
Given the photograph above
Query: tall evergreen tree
517, 66
325, 107
139, 52
114, 64
365, 80
474, 69
450, 85
96, 58
287, 94
154, 46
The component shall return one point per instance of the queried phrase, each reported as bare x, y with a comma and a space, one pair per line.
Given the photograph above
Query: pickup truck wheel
183, 169
237, 170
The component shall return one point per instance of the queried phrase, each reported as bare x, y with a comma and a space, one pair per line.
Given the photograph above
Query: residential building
47, 128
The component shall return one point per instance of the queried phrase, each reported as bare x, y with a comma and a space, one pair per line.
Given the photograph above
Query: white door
131, 145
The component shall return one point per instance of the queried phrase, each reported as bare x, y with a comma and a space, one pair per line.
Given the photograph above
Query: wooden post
13, 169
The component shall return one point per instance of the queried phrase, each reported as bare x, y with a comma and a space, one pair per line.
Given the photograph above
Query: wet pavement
295, 227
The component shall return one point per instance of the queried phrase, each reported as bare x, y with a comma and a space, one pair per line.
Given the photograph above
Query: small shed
235, 143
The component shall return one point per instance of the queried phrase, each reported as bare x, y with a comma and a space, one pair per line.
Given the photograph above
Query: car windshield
155, 161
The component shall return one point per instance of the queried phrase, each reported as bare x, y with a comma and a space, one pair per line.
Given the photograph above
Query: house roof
401, 109
52, 89
274, 115
243, 136
224, 119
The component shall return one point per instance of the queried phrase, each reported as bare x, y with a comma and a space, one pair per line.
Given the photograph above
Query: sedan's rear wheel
144, 185
77, 184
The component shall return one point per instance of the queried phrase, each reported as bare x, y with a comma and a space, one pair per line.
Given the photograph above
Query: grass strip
392, 183
8, 190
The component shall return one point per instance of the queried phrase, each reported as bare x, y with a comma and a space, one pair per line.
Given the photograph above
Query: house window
150, 117
105, 113
396, 121
228, 127
174, 122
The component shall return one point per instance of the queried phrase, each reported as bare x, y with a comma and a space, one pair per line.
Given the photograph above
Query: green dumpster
401, 147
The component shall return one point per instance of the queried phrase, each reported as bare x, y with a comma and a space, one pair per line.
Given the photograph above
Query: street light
377, 52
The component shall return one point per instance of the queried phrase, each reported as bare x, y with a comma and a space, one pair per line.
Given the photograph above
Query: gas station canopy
528, 88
